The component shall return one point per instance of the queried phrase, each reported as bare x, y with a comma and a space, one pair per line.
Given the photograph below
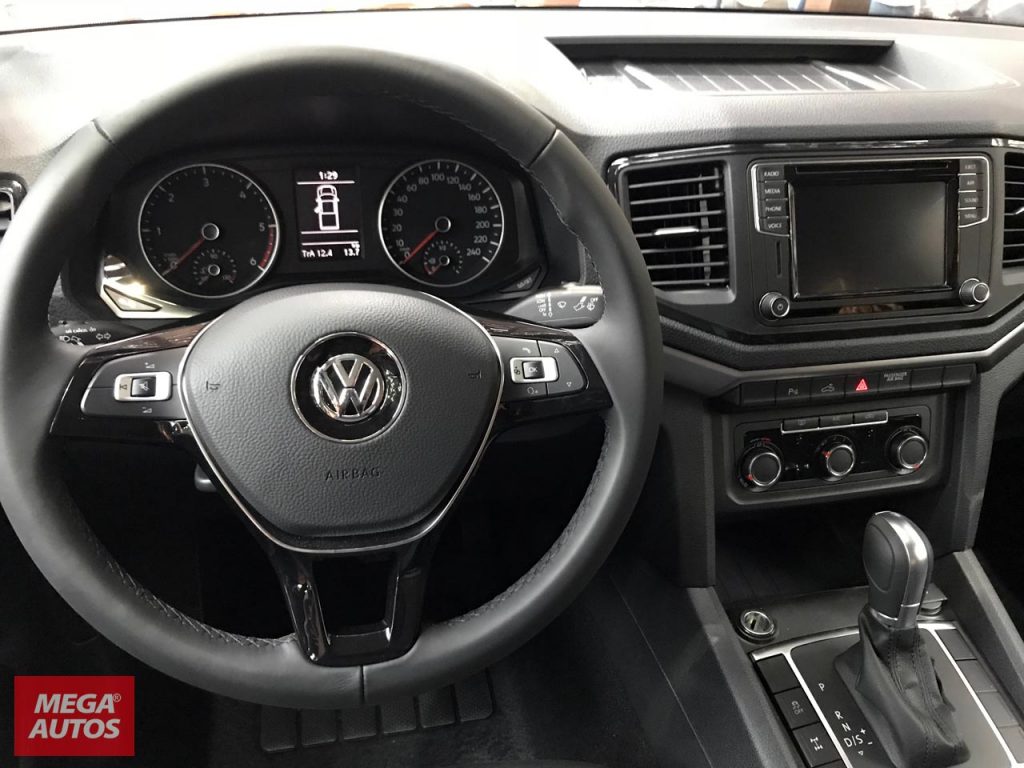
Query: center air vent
1013, 221
678, 216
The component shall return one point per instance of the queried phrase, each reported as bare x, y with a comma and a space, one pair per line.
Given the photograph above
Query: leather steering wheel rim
60, 217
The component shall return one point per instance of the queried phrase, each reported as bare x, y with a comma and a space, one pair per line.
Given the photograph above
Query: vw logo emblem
348, 388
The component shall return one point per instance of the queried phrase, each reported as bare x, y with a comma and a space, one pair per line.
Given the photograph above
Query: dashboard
840, 206
197, 232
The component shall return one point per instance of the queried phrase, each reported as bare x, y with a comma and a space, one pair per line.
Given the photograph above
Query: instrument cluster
194, 234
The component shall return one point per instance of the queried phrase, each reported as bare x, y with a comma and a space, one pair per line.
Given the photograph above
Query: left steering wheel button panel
136, 386
147, 386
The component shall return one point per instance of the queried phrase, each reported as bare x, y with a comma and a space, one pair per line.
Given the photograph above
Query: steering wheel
336, 419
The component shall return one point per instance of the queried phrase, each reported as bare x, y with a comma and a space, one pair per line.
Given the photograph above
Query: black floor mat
556, 698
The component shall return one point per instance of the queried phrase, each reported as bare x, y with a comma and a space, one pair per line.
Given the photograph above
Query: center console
904, 689
792, 259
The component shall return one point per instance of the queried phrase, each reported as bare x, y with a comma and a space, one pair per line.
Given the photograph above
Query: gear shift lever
898, 561
889, 672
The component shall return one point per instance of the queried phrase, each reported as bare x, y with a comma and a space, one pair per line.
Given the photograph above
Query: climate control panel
832, 448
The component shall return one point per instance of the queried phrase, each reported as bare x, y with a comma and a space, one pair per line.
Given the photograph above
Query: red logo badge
74, 716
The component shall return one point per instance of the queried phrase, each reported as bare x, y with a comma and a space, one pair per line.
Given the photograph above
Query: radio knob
908, 449
761, 466
773, 306
973, 292
838, 458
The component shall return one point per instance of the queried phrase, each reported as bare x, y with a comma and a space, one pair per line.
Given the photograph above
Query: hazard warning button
859, 385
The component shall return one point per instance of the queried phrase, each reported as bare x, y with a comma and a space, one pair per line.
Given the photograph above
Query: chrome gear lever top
898, 561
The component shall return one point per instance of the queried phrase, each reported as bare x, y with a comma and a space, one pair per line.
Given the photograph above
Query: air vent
11, 193
730, 78
678, 217
1013, 221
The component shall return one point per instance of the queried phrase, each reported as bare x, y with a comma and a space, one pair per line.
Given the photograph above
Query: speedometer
441, 222
208, 230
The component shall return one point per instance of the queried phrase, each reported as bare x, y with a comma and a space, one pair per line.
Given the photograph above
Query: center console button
793, 391
957, 375
777, 674
926, 378
972, 165
861, 385
800, 424
796, 709
971, 199
970, 216
775, 225
871, 417
972, 181
827, 388
836, 420
894, 381
770, 172
763, 392
815, 745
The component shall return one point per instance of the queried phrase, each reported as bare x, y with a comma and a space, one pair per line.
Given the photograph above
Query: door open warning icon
862, 386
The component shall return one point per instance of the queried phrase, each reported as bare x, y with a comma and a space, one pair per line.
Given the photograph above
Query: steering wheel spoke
127, 390
546, 372
330, 641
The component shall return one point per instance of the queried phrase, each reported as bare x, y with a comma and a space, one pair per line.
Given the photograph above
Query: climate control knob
838, 458
908, 449
761, 466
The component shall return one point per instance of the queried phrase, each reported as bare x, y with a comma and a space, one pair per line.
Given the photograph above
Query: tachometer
208, 231
441, 222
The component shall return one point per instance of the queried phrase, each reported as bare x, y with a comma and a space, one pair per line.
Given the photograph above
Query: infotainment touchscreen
869, 238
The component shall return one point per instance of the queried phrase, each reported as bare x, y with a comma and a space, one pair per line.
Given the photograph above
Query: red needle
420, 247
181, 259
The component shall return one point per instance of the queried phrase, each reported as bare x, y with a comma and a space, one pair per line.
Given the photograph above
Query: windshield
17, 15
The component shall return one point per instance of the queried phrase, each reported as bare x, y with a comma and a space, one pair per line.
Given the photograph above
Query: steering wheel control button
530, 370
347, 387
570, 377
139, 365
132, 387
